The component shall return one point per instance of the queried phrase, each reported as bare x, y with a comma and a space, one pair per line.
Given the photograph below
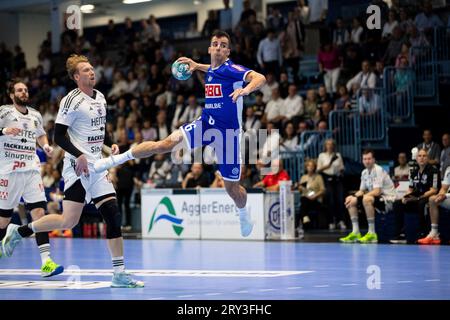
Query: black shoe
400, 239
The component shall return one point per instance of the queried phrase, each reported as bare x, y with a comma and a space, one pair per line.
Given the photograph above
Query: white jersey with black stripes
18, 153
85, 117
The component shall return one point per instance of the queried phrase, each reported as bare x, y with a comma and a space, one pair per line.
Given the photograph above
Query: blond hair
72, 63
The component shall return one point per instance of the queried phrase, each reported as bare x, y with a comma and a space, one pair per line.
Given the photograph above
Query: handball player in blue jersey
221, 118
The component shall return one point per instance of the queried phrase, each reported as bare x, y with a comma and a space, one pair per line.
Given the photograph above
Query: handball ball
181, 71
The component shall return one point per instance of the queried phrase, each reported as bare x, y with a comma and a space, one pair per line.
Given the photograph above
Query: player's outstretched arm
255, 81
194, 66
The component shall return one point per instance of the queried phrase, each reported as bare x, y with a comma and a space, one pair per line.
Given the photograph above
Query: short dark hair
367, 151
221, 34
12, 84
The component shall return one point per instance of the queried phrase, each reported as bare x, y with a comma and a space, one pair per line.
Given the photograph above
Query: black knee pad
113, 219
6, 213
36, 205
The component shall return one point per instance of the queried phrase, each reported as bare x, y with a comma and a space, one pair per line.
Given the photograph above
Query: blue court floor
202, 270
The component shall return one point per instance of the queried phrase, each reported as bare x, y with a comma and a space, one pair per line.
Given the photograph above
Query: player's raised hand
12, 131
192, 64
115, 149
81, 166
238, 93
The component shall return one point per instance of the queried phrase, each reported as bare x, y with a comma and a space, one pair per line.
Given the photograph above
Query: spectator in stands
252, 123
270, 146
269, 54
323, 113
210, 24
289, 141
267, 88
394, 47
389, 25
405, 21
192, 111
401, 172
148, 132
292, 108
247, 11
441, 200
162, 128
340, 34
259, 106
310, 105
323, 95
50, 112
343, 100
225, 17
120, 87
379, 73
404, 53
369, 102
110, 34
426, 19
445, 153
159, 171
302, 127
271, 182
331, 165
273, 110
329, 65
293, 42
128, 34
248, 179
317, 139
302, 11
433, 149
178, 112
376, 191
275, 20
196, 178
318, 11
312, 190
218, 180
365, 79
283, 85
154, 29
423, 183
351, 63
416, 38
125, 185
356, 34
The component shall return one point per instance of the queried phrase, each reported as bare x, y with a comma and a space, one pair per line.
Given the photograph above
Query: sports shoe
369, 238
429, 239
104, 164
124, 280
11, 239
351, 238
54, 234
50, 268
246, 224
400, 239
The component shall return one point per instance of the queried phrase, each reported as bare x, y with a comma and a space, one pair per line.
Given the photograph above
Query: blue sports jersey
220, 82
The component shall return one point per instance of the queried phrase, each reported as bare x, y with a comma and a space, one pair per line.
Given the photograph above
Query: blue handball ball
181, 71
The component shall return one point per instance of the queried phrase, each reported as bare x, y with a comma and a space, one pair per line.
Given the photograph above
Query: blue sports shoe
246, 224
11, 239
124, 280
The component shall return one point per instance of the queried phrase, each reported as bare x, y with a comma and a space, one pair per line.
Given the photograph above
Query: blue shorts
225, 142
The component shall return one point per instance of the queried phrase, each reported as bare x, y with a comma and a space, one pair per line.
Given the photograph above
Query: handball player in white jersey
20, 171
80, 131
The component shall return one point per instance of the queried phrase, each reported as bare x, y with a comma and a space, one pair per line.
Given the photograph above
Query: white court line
243, 291
433, 280
157, 298
165, 273
404, 281
54, 285
267, 290
322, 286
294, 288
213, 294
186, 296
348, 284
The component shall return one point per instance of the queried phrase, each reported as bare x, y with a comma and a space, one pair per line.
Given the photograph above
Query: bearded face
20, 95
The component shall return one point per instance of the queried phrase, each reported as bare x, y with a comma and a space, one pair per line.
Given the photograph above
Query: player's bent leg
49, 268
239, 196
107, 205
142, 150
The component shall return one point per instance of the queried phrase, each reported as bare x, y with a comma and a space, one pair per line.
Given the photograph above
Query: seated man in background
196, 178
442, 199
272, 181
401, 172
376, 191
423, 183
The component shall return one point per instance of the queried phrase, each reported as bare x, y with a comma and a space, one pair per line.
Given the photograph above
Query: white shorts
15, 185
95, 185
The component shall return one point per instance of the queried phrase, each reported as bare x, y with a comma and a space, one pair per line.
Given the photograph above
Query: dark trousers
334, 197
123, 198
306, 207
272, 67
411, 207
